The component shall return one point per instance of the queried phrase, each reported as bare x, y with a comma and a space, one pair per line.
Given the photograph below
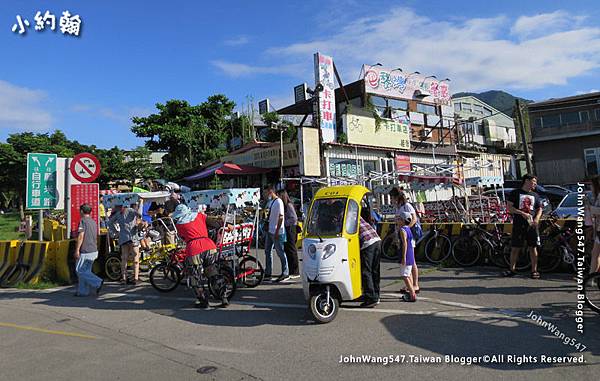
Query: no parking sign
85, 167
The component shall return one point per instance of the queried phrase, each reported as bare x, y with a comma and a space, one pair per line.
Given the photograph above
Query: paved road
136, 334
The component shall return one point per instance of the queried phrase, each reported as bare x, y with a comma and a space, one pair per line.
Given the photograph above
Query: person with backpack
403, 206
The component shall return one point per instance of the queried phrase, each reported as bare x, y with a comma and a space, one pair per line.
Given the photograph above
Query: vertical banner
41, 181
88, 193
403, 164
324, 75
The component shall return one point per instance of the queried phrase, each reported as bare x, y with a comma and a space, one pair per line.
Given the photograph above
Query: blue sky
132, 54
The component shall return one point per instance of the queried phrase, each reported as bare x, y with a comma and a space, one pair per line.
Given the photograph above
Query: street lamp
370, 66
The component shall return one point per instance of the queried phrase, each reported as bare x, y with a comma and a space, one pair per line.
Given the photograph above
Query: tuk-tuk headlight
328, 251
312, 251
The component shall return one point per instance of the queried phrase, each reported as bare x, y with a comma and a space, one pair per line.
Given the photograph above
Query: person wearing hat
406, 254
127, 219
86, 252
200, 253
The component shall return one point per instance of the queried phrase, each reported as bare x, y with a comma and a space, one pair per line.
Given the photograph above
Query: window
537, 123
479, 129
478, 109
352, 217
568, 118
584, 116
457, 107
326, 217
466, 107
487, 111
550, 121
397, 104
592, 161
426, 109
597, 112
378, 101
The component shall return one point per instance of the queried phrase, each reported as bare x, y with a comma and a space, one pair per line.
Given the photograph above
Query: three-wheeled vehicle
331, 272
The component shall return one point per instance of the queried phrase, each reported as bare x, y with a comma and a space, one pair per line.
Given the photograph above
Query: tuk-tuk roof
351, 191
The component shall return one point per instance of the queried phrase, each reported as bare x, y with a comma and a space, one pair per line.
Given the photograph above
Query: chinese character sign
363, 130
395, 83
84, 194
68, 23
41, 181
324, 75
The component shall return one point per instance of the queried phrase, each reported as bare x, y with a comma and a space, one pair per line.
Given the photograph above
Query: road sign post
85, 167
41, 181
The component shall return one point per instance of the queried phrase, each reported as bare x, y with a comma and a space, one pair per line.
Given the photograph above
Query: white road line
208, 348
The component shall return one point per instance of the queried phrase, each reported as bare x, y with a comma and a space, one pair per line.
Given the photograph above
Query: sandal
404, 290
535, 275
408, 298
509, 273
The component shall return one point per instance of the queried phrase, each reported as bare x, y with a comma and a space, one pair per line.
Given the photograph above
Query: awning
228, 169
429, 179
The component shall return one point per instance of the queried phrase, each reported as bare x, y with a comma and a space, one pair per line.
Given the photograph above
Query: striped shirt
367, 234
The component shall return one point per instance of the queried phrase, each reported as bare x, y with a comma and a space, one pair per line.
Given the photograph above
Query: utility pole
523, 137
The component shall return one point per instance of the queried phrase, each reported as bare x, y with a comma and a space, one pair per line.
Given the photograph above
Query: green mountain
500, 100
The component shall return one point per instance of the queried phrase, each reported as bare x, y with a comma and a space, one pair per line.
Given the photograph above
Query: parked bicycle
476, 242
591, 290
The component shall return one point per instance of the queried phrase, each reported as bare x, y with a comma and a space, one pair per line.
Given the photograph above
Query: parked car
554, 193
569, 205
547, 207
573, 187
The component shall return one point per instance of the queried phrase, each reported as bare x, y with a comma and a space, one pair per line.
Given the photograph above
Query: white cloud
477, 54
23, 109
235, 70
237, 41
545, 23
588, 91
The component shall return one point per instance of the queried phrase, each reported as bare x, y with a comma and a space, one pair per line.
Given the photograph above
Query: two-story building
566, 138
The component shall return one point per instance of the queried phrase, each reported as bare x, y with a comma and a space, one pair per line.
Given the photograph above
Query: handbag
417, 231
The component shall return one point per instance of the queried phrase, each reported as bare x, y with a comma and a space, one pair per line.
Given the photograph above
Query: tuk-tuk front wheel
324, 306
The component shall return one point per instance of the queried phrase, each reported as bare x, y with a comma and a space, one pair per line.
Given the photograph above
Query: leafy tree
271, 134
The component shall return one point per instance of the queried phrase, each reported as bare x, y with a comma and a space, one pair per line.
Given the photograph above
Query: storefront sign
397, 84
41, 181
267, 157
403, 163
325, 76
391, 133
300, 93
309, 152
84, 194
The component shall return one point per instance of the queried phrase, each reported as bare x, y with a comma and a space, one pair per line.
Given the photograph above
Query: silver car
569, 205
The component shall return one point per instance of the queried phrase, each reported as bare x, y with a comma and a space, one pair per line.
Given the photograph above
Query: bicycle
234, 247
475, 241
591, 290
166, 276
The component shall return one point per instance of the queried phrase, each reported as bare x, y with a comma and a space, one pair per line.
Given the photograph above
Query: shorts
405, 271
202, 260
522, 233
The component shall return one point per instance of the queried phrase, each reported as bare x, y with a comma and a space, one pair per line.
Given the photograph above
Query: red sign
84, 194
85, 167
403, 163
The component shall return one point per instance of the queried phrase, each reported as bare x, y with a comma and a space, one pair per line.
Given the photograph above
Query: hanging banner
361, 129
41, 181
87, 193
325, 76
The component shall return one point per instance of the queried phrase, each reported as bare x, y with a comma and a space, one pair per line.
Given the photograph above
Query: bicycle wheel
438, 248
165, 277
591, 289
112, 267
523, 261
226, 276
549, 260
466, 251
389, 249
494, 251
251, 272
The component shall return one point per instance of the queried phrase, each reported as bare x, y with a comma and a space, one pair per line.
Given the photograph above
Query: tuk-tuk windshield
327, 217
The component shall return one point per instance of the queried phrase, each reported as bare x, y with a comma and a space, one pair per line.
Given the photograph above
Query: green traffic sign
41, 181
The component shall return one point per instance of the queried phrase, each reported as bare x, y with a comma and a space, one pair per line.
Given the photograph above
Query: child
407, 254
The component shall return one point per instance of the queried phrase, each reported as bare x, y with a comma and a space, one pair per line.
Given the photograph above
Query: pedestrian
593, 210
370, 256
276, 236
102, 213
291, 233
127, 218
403, 206
86, 252
525, 206
200, 254
406, 254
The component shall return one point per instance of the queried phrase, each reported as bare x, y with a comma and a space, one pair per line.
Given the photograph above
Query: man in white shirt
276, 235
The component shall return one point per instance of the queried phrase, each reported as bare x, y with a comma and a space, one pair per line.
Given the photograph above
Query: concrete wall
562, 161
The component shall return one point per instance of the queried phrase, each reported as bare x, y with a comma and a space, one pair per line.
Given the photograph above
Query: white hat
406, 217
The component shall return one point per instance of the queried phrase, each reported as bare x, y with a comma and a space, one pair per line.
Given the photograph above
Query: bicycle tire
438, 248
389, 250
591, 290
466, 251
523, 262
549, 260
112, 267
171, 275
252, 272
230, 283
495, 253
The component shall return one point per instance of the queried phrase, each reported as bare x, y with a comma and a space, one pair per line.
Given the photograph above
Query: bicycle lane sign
41, 181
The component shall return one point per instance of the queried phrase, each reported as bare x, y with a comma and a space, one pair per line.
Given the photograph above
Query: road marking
208, 348
51, 332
